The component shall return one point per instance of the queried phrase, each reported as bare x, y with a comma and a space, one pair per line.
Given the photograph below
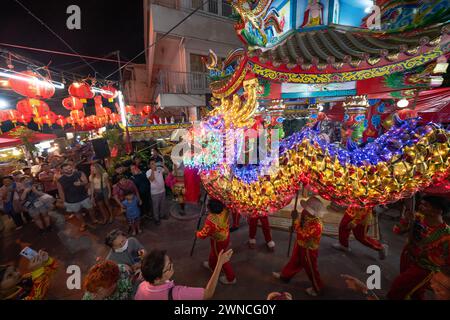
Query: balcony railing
183, 82
217, 7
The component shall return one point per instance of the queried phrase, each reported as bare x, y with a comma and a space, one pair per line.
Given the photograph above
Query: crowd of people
76, 183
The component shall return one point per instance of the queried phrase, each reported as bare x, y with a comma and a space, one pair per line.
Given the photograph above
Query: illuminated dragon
406, 159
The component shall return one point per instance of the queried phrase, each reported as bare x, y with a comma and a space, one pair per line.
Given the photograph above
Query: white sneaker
271, 246
382, 254
205, 264
311, 292
340, 247
276, 275
224, 280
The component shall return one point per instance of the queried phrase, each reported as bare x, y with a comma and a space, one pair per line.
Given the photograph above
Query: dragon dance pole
199, 222
294, 216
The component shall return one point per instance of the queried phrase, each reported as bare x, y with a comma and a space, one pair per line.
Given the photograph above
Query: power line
34, 64
56, 35
164, 35
59, 52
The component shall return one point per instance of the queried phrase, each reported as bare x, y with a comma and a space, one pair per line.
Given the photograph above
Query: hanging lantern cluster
35, 87
82, 91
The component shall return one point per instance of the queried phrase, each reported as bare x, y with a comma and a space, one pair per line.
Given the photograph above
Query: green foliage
115, 138
25, 135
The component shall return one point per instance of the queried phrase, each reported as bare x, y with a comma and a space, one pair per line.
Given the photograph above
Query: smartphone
29, 253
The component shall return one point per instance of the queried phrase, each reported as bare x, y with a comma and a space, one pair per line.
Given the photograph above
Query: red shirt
48, 180
120, 190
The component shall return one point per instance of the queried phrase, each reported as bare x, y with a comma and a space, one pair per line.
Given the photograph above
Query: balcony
182, 82
215, 7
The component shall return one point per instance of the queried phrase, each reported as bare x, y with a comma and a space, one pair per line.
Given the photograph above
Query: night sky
106, 26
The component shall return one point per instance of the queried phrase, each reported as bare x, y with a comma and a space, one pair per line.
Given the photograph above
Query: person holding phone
158, 190
37, 203
32, 285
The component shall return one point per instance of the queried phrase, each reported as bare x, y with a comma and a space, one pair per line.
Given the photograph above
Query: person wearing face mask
309, 229
31, 286
108, 280
127, 251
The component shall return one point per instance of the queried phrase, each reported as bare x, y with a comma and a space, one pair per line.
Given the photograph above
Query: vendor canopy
37, 137
8, 143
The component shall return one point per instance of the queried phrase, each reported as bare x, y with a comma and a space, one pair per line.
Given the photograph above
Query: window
213, 6
197, 3
197, 64
227, 9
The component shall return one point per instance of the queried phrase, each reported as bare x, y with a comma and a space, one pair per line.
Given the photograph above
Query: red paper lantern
147, 109
34, 107
24, 107
61, 121
77, 114
103, 112
114, 118
110, 93
130, 110
12, 115
72, 103
50, 118
3, 116
71, 120
32, 85
81, 91
24, 118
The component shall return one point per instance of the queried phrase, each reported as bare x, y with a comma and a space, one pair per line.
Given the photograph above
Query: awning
36, 138
9, 143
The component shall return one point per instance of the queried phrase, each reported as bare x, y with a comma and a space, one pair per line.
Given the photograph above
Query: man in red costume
236, 219
217, 228
306, 250
358, 221
252, 227
426, 252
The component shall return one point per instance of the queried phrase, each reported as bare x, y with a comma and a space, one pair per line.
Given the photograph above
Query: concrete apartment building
175, 76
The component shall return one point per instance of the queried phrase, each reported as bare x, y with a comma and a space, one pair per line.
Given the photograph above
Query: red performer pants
360, 233
303, 259
253, 224
216, 247
412, 281
236, 219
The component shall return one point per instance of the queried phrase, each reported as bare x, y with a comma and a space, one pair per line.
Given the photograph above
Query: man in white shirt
158, 190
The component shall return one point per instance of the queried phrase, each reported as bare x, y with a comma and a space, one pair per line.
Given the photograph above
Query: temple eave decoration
338, 54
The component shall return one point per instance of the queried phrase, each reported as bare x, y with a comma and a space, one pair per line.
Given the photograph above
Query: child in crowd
131, 207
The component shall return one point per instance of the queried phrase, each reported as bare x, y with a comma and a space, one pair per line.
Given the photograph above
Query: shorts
76, 207
34, 212
133, 220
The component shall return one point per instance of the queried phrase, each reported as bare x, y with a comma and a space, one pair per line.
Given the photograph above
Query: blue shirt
132, 207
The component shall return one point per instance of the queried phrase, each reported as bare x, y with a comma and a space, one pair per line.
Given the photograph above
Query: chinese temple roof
338, 48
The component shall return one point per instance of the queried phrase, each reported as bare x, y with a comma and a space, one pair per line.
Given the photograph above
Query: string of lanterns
36, 88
